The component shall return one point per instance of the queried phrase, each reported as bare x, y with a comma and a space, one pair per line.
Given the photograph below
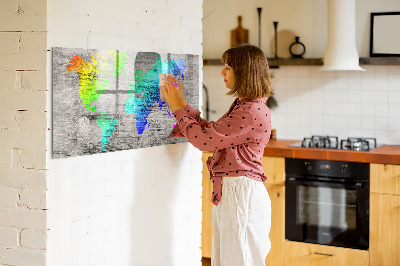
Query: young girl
242, 208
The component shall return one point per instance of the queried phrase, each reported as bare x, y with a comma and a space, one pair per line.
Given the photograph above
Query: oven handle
357, 185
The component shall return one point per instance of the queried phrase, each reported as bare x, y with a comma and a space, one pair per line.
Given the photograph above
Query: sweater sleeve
231, 130
193, 113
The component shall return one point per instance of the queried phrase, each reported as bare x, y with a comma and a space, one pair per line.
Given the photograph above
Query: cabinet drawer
305, 254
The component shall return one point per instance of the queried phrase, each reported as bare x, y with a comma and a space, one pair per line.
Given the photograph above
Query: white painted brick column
23, 128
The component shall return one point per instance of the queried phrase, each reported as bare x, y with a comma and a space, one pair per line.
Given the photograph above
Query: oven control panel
338, 169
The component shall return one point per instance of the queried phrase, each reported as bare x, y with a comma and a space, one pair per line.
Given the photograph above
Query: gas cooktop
332, 142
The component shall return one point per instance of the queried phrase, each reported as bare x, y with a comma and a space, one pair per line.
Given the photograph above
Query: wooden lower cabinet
277, 233
384, 236
206, 225
305, 254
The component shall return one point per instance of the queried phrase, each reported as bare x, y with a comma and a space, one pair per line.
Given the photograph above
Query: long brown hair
250, 66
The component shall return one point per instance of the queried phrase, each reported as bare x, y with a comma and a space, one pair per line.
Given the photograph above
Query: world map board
109, 100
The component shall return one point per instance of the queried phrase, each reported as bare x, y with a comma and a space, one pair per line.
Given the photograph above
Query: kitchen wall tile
368, 122
329, 122
317, 108
304, 131
381, 110
328, 74
293, 120
382, 123
342, 122
329, 109
354, 80
278, 71
393, 71
342, 80
355, 109
367, 133
394, 82
304, 72
380, 71
304, 109
381, 84
315, 72
317, 95
292, 83
369, 70
394, 123
342, 109
316, 82
367, 96
342, 96
317, 121
305, 95
317, 131
355, 96
354, 122
394, 137
342, 133
367, 82
394, 110
355, 132
304, 82
381, 136
381, 97
394, 97
278, 83
367, 110
329, 93
365, 99
291, 71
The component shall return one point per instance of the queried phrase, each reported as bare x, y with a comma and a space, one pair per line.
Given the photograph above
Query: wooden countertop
389, 154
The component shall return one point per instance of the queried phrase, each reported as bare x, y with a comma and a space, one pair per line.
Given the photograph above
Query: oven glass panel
326, 207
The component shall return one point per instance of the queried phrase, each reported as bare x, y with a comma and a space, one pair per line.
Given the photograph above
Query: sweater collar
261, 99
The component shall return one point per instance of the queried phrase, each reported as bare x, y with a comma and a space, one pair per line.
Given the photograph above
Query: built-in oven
327, 202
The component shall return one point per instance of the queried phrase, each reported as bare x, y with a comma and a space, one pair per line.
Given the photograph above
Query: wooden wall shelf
380, 61
274, 63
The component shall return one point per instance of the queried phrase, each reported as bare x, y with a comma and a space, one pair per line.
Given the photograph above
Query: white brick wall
137, 207
23, 132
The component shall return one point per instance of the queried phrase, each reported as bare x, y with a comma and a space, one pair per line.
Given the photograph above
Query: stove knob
343, 168
308, 166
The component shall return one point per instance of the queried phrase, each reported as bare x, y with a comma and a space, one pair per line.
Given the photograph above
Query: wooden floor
206, 261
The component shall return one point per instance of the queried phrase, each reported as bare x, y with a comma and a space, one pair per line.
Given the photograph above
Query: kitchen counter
389, 154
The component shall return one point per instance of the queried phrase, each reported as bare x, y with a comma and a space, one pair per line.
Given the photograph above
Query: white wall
23, 133
136, 207
304, 18
311, 102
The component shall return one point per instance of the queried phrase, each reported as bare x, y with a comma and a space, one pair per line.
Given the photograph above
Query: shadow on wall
154, 203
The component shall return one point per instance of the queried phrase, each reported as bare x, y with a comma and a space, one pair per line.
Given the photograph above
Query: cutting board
239, 35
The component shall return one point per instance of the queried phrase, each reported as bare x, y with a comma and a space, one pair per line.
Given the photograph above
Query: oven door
327, 213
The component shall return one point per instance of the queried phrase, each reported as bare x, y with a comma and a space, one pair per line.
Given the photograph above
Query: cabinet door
274, 168
384, 236
385, 178
277, 233
206, 232
305, 254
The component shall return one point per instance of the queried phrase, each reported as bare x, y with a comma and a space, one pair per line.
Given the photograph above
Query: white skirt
241, 223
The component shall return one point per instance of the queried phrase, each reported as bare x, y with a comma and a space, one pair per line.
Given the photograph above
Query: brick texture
23, 125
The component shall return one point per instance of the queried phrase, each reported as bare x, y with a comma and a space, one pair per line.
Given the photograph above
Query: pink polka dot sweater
238, 139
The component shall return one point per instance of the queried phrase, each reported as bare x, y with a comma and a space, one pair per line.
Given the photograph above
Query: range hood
341, 51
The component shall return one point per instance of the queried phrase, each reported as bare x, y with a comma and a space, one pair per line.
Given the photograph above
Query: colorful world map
131, 79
